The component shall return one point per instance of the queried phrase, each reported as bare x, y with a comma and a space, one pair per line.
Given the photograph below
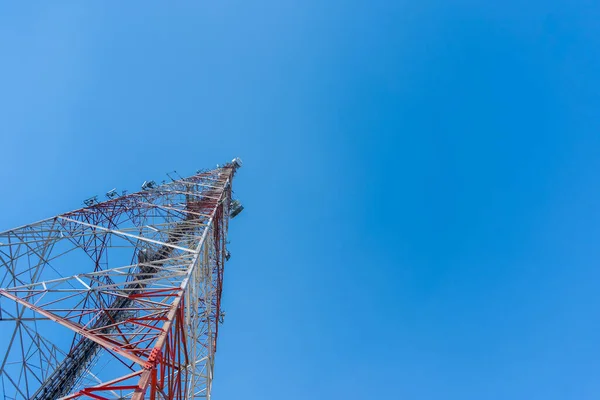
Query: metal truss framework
118, 300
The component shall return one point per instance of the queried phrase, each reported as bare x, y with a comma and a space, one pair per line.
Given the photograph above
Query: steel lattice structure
120, 299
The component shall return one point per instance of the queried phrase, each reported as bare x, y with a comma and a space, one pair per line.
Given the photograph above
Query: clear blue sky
421, 178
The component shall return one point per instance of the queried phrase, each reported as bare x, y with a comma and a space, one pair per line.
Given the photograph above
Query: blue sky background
421, 178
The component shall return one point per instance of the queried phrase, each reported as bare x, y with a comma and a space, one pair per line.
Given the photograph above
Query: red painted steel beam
106, 343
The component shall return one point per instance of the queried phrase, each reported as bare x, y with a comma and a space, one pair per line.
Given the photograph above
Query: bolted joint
155, 357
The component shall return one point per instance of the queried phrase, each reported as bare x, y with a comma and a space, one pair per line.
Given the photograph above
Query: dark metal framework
121, 299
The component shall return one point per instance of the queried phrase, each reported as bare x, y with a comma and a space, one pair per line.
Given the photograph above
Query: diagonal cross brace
76, 328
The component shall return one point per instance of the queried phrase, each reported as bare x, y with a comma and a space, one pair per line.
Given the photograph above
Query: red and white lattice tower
120, 299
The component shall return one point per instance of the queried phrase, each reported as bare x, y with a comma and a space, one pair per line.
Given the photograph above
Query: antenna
111, 194
91, 201
174, 172
148, 185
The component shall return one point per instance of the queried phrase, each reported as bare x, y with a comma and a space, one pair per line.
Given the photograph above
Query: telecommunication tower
120, 299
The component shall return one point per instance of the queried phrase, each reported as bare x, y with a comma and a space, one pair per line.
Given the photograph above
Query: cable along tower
120, 299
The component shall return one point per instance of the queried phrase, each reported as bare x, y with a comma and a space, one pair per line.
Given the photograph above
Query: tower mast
136, 282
